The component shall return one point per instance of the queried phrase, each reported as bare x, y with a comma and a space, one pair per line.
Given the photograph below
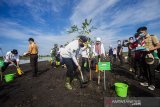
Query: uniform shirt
33, 48
71, 51
102, 50
150, 41
54, 51
11, 57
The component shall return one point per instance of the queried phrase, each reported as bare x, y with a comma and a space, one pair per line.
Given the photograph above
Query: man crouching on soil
69, 55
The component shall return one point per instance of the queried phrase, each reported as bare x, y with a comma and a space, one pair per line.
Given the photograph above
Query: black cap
130, 38
142, 29
83, 38
31, 39
14, 51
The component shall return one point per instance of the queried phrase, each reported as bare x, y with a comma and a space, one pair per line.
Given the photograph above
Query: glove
25, 54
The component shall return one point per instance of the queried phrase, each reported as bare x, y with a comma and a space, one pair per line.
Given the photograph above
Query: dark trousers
71, 67
138, 66
114, 58
149, 70
85, 64
111, 58
34, 63
120, 57
6, 64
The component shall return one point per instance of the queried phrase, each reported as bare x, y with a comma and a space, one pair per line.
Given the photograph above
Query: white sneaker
144, 84
151, 87
130, 70
158, 71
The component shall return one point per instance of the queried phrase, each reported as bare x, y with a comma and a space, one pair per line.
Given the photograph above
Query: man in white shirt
69, 55
60, 53
11, 57
114, 55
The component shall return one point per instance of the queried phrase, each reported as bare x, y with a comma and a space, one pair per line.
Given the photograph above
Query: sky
47, 21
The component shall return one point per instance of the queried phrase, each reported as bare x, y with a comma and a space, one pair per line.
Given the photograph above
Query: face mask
131, 41
119, 43
142, 34
81, 45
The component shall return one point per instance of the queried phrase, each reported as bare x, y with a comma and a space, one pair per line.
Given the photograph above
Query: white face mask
119, 43
131, 41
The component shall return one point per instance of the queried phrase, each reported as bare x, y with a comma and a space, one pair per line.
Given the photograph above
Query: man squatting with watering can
11, 57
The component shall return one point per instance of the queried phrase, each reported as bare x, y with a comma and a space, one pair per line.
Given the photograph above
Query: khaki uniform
149, 70
151, 41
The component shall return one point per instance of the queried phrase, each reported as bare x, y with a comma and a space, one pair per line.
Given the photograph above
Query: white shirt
61, 50
11, 57
51, 51
102, 50
114, 52
85, 52
70, 51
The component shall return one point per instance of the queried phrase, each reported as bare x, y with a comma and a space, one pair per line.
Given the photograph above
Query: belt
33, 54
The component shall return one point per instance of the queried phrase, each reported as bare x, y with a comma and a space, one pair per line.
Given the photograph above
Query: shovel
90, 72
99, 73
82, 77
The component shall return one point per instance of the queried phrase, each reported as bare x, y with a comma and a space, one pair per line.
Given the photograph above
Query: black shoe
158, 71
35, 75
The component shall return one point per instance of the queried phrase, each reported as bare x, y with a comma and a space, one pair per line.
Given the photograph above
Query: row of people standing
115, 53
143, 57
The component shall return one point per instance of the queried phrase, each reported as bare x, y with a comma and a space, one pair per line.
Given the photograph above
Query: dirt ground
47, 90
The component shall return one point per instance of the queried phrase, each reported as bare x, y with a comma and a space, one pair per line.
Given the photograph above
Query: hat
83, 38
31, 39
14, 51
98, 39
130, 38
149, 59
142, 29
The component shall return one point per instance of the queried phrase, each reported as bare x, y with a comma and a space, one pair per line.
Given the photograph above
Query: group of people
83, 54
143, 57
116, 53
12, 57
77, 56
